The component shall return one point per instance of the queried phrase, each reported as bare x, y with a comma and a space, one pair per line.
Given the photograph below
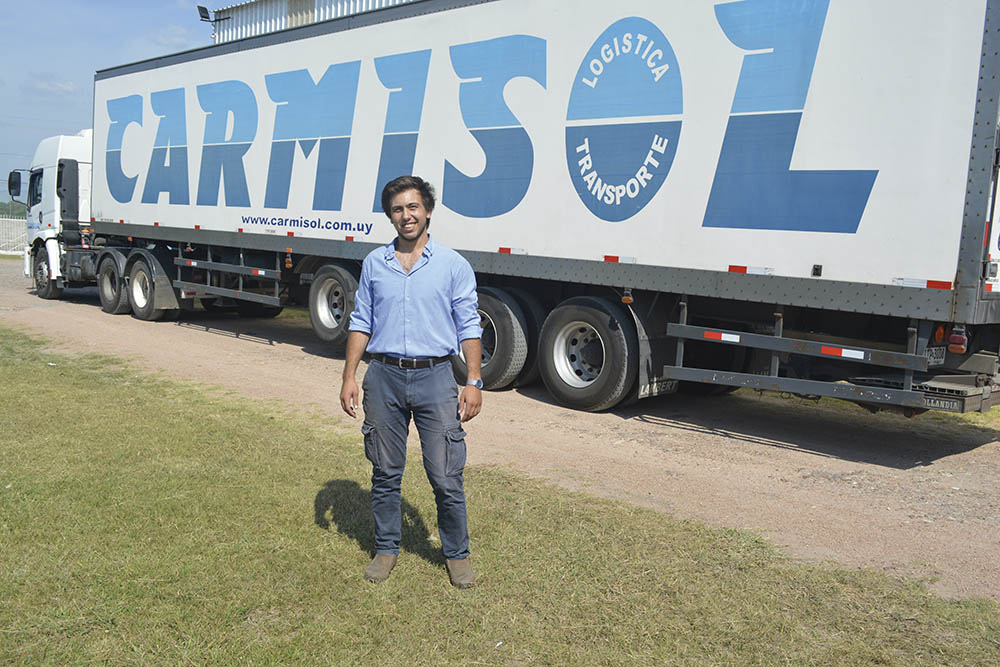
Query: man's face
408, 215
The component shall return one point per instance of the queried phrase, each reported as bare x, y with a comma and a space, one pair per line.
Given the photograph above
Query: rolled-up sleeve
361, 316
464, 302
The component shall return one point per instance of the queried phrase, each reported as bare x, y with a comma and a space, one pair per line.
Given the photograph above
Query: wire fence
13, 236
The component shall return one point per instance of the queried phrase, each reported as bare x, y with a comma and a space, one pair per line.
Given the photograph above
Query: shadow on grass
343, 503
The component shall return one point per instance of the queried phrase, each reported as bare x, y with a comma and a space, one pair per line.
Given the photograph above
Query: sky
51, 49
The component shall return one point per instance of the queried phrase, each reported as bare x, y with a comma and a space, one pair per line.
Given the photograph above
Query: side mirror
14, 184
17, 186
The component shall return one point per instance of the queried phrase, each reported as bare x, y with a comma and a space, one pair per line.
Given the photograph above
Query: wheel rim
489, 337
109, 285
578, 354
332, 304
140, 289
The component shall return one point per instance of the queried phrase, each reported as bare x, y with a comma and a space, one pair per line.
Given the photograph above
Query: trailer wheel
331, 300
588, 353
534, 316
504, 340
111, 288
45, 286
141, 293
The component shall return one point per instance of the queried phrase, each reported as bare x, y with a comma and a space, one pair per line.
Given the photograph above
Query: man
415, 305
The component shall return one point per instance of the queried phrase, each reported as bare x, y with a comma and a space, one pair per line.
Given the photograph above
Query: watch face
478, 384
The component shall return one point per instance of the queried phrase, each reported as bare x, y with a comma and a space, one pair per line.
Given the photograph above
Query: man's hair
404, 183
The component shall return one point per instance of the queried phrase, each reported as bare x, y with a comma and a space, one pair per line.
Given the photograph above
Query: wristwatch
478, 384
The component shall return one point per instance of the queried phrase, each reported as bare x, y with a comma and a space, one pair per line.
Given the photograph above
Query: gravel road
914, 497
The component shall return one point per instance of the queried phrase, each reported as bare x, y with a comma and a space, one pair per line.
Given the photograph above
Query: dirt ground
914, 497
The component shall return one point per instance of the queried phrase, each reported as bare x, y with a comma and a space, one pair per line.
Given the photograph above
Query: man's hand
349, 396
356, 344
470, 402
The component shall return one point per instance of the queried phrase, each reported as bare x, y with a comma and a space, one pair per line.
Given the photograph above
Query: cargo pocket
455, 454
371, 444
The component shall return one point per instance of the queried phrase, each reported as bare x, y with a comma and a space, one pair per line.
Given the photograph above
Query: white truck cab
56, 190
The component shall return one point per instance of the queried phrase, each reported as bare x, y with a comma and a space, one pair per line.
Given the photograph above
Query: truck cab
56, 190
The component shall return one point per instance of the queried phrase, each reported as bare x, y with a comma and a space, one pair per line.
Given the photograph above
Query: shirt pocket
455, 452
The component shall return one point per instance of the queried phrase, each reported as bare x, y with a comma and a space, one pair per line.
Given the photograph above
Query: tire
111, 288
505, 344
331, 300
534, 316
588, 353
141, 292
45, 286
254, 309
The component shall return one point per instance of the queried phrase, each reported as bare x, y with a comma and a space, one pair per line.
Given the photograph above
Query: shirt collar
428, 251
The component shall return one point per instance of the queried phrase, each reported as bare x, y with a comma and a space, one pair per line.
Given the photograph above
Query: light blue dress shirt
421, 314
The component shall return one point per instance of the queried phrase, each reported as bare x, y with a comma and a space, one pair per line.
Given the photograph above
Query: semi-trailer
656, 195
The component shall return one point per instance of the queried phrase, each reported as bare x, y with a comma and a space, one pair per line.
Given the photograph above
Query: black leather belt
409, 363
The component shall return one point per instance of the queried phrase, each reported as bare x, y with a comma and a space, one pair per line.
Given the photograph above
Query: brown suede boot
461, 574
380, 567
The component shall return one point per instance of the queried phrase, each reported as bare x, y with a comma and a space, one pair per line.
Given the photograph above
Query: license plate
935, 355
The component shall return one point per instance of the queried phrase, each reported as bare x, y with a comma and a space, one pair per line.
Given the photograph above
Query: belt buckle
403, 363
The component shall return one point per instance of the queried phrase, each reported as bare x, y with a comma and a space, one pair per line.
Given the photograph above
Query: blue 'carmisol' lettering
309, 112
754, 187
168, 165
405, 75
486, 68
222, 157
123, 111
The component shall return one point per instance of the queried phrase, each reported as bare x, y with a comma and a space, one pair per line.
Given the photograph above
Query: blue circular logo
624, 121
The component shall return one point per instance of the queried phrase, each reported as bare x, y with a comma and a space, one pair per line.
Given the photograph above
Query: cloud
47, 85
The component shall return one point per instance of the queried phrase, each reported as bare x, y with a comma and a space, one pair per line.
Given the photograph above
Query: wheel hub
108, 284
333, 296
578, 354
140, 289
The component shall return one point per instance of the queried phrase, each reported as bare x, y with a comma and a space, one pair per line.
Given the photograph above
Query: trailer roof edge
373, 17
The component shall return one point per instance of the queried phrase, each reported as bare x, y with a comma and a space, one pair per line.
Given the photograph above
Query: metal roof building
258, 17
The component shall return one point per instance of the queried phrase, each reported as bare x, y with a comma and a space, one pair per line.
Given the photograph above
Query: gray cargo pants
391, 395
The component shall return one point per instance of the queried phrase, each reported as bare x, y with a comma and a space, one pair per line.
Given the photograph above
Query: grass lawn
147, 521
